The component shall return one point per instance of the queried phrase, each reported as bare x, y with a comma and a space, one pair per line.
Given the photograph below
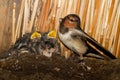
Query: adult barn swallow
75, 39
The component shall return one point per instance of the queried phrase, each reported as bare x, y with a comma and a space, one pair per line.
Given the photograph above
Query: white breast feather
71, 43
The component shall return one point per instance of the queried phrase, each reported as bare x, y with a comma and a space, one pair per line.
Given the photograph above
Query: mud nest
40, 59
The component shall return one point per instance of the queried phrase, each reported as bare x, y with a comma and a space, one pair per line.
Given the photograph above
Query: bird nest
36, 56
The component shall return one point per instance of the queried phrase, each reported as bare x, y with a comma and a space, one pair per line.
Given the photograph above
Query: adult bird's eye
71, 20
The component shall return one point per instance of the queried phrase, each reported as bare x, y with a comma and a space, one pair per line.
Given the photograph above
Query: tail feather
98, 46
105, 51
93, 52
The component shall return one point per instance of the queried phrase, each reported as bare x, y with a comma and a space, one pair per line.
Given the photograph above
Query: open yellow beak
35, 35
52, 34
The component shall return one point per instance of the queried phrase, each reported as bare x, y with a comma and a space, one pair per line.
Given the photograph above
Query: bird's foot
84, 66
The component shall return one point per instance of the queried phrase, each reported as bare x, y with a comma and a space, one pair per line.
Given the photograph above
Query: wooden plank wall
99, 18
5, 23
6, 12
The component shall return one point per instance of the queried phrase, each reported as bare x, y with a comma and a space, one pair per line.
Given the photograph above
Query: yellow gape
35, 35
52, 34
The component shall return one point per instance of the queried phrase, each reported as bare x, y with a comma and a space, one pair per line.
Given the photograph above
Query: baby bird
75, 39
35, 43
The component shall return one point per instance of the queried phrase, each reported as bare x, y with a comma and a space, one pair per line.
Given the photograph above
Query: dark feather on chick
43, 45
